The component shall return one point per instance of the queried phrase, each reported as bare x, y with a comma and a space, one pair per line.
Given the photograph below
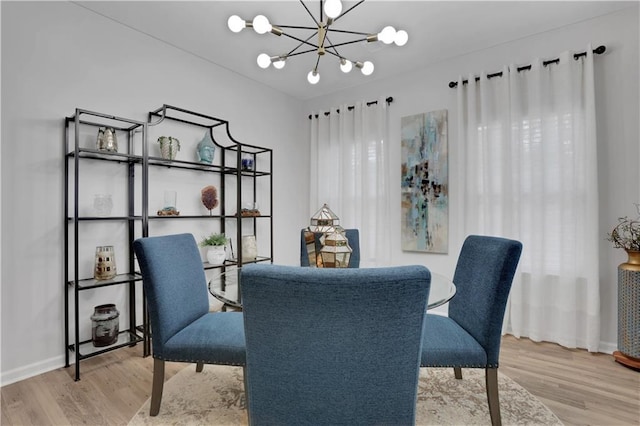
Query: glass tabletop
224, 287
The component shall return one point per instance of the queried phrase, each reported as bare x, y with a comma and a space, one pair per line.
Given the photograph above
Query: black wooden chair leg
246, 388
199, 367
492, 396
458, 372
158, 384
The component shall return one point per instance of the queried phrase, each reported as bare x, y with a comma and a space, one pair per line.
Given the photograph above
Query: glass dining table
224, 287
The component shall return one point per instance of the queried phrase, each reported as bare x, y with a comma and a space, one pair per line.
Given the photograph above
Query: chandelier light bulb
313, 77
333, 8
279, 63
261, 24
345, 66
264, 60
401, 38
387, 35
367, 68
236, 23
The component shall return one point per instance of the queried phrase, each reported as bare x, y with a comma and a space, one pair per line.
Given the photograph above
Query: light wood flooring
579, 387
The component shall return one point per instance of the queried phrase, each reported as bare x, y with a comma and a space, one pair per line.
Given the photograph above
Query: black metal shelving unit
79, 157
230, 168
137, 157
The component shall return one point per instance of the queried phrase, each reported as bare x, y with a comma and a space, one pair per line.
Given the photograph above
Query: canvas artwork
425, 183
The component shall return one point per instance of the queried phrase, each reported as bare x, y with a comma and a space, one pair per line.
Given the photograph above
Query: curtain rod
598, 51
351, 107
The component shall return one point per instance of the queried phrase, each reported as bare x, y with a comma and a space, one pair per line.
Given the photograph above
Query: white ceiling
438, 30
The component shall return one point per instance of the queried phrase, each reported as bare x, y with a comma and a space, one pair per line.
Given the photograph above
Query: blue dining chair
342, 347
183, 329
470, 336
353, 236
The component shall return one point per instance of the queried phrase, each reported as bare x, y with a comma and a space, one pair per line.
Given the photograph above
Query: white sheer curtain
528, 147
350, 172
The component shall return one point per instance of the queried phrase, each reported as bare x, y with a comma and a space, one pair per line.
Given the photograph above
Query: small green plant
626, 234
214, 240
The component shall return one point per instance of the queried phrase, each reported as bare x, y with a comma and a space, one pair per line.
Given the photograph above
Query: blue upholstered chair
353, 236
183, 328
333, 346
470, 336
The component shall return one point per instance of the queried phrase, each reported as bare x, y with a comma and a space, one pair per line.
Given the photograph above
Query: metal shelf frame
138, 157
73, 154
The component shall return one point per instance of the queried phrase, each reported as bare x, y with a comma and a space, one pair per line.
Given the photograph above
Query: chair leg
492, 396
458, 372
158, 384
199, 367
246, 388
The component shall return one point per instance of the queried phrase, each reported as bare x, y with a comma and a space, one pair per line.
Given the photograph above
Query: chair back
353, 236
483, 278
174, 283
333, 346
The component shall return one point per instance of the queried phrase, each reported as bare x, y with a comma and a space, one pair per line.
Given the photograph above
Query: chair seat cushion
446, 344
203, 341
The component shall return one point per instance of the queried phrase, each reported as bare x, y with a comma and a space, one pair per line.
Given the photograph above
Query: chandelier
318, 38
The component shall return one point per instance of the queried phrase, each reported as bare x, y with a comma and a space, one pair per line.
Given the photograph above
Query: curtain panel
528, 154
349, 170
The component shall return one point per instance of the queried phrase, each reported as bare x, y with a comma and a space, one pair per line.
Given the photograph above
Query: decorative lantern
324, 220
335, 251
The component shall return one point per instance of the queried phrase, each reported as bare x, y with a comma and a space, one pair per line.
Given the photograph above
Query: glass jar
102, 205
105, 325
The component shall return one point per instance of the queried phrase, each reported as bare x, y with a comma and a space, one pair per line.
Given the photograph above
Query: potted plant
215, 244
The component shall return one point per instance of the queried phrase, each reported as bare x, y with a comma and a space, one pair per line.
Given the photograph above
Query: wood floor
579, 387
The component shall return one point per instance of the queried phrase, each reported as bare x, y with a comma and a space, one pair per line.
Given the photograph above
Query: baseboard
35, 369
608, 347
32, 370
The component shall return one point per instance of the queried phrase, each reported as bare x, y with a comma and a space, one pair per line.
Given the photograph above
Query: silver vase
107, 140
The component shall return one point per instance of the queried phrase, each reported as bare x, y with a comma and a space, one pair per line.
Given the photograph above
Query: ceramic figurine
107, 140
206, 149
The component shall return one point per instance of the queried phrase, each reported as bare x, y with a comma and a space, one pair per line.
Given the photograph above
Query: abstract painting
425, 182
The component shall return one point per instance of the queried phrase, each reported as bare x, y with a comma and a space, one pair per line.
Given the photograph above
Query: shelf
187, 165
77, 159
93, 218
180, 216
94, 154
125, 338
90, 283
206, 216
192, 165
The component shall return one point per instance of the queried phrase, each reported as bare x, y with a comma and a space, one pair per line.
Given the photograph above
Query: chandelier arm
332, 46
348, 42
311, 14
346, 31
317, 63
348, 10
302, 41
297, 27
291, 52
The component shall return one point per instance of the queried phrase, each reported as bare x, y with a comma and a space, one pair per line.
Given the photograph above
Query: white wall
56, 57
617, 103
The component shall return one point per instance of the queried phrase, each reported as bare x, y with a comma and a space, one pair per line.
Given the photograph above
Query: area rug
216, 397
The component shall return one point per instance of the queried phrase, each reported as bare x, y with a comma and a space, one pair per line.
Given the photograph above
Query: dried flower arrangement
626, 234
209, 197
